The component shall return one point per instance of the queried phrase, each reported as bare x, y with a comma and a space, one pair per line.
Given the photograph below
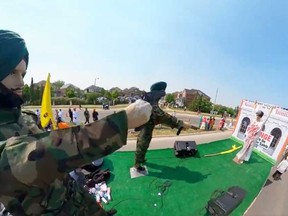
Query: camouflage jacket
158, 116
34, 164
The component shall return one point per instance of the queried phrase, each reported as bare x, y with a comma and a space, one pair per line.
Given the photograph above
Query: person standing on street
87, 116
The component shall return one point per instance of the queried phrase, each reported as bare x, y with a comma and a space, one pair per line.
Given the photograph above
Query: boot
111, 212
139, 167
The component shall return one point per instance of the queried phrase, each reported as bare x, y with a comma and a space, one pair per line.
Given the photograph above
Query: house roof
69, 85
41, 83
196, 91
92, 87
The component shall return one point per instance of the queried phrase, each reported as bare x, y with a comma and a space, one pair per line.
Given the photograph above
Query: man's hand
138, 113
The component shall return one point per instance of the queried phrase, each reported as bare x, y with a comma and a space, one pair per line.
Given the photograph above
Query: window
277, 133
244, 124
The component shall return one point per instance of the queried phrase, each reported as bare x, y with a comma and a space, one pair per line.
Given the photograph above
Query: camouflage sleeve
161, 117
64, 150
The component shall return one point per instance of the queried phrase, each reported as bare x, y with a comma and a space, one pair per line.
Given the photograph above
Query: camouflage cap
12, 51
158, 86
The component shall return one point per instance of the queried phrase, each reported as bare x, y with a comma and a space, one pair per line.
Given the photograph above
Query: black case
226, 202
185, 148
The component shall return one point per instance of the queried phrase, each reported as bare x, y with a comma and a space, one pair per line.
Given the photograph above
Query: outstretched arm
47, 155
53, 153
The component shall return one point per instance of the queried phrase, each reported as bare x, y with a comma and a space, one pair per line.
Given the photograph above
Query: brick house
187, 96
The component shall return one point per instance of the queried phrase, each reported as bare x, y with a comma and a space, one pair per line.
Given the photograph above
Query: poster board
272, 141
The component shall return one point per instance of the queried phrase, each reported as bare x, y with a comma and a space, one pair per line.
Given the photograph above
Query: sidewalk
168, 142
272, 200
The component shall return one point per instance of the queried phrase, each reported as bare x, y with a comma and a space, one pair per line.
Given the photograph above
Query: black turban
159, 86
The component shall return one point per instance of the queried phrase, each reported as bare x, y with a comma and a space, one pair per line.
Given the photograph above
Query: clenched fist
138, 113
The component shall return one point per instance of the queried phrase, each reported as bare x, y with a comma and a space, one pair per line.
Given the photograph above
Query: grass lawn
185, 185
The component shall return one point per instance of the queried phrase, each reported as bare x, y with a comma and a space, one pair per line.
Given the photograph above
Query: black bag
224, 204
99, 176
185, 148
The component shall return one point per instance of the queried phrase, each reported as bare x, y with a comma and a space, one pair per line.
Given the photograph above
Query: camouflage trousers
78, 203
143, 142
81, 203
144, 138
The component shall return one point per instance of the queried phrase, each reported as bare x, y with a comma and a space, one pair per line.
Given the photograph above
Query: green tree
70, 93
58, 84
169, 98
32, 92
114, 95
91, 98
108, 95
26, 93
103, 92
200, 104
236, 109
206, 106
230, 111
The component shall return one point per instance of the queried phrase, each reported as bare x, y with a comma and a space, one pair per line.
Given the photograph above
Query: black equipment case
185, 148
224, 204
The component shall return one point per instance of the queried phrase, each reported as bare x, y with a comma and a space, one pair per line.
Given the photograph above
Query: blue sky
240, 47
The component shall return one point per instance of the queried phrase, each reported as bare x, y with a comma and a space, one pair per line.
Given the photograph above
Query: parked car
106, 106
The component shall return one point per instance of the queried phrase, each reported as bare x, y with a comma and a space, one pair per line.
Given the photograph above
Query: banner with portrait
273, 138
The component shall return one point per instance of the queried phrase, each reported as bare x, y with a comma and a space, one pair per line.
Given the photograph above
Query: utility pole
215, 101
95, 81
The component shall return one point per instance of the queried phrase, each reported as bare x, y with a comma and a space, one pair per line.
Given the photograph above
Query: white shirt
75, 117
37, 113
282, 166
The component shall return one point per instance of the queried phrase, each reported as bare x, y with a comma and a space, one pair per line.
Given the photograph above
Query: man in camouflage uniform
158, 116
34, 164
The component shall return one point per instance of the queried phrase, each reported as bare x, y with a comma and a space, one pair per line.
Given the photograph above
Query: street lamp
214, 101
95, 81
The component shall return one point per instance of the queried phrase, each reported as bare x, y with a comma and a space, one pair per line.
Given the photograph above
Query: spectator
70, 114
95, 115
60, 116
75, 117
281, 168
38, 117
212, 123
87, 116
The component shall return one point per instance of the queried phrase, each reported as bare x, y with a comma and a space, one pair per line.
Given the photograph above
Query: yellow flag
46, 114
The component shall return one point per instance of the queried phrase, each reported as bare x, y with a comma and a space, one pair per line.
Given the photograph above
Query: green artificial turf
186, 185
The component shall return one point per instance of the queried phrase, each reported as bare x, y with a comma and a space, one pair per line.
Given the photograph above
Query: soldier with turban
34, 165
158, 117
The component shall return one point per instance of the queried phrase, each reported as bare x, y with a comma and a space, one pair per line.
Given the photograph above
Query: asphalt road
192, 119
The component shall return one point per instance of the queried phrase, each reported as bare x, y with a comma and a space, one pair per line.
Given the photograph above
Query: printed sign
274, 136
264, 140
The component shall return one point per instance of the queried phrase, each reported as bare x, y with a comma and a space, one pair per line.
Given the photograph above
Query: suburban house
93, 89
62, 91
40, 84
187, 96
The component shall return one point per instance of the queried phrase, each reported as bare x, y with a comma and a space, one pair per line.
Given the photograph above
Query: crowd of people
72, 115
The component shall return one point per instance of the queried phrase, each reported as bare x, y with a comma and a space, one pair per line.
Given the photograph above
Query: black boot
111, 212
139, 167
